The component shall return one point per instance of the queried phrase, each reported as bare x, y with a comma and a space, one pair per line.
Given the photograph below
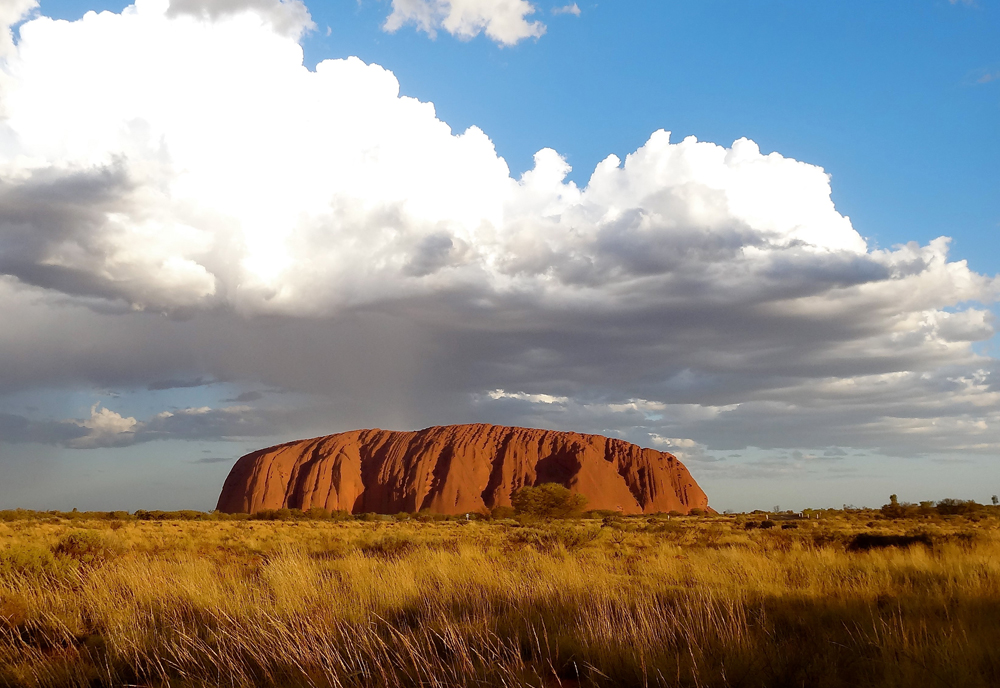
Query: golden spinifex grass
626, 602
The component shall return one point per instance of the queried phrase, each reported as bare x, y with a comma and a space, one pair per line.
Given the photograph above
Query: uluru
456, 469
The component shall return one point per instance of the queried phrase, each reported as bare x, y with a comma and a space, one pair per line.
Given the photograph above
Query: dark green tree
896, 510
956, 507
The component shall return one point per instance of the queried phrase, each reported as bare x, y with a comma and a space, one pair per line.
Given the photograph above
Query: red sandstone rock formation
456, 469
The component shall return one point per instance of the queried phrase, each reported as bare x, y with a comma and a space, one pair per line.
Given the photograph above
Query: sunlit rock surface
456, 469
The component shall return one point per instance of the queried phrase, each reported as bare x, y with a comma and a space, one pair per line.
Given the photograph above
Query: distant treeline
549, 500
945, 507
893, 510
315, 514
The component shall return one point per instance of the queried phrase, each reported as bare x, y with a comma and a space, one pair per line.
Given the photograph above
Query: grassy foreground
619, 602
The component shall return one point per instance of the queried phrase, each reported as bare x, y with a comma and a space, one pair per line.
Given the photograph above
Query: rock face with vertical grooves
456, 469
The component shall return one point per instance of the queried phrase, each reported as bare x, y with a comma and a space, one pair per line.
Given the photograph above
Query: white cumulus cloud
105, 428
313, 230
504, 21
12, 11
232, 174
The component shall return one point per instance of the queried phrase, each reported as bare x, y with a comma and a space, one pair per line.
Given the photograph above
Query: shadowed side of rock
456, 469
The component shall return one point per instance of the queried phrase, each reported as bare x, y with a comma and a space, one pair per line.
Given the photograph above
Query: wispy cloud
105, 428
245, 397
160, 385
572, 8
215, 459
533, 398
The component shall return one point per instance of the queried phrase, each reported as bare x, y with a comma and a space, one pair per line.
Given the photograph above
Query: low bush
868, 541
957, 507
276, 514
549, 500
183, 515
88, 546
27, 560
550, 539
601, 514
389, 547
9, 515
501, 512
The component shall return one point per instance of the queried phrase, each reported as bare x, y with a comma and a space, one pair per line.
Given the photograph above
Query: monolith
456, 469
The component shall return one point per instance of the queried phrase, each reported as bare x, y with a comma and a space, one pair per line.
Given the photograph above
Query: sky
762, 236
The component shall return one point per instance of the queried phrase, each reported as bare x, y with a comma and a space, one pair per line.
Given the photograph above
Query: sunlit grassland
619, 602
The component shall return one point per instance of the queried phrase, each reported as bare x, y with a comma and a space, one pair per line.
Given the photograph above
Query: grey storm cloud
160, 385
16, 429
288, 17
245, 397
208, 423
397, 275
55, 209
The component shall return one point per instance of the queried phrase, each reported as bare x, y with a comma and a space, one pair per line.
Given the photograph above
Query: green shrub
18, 515
274, 514
575, 538
27, 560
501, 512
549, 500
601, 514
238, 516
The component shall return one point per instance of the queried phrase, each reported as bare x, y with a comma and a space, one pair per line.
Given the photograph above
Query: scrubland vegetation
838, 598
